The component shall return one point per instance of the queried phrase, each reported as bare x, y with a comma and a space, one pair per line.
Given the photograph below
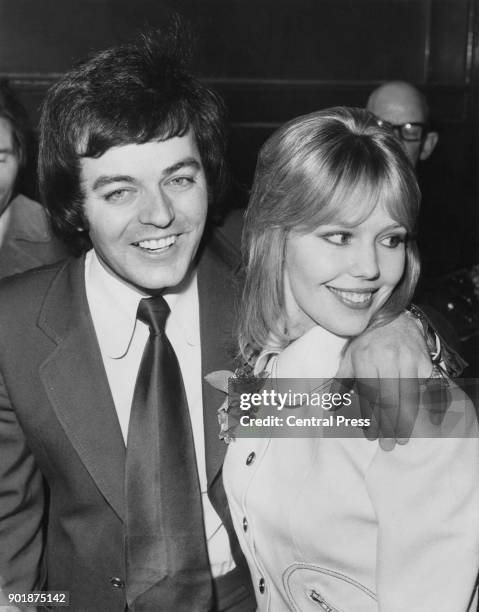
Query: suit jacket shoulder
41, 298
219, 287
25, 290
29, 241
231, 228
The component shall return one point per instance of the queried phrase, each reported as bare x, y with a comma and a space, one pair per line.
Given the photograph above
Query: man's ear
428, 145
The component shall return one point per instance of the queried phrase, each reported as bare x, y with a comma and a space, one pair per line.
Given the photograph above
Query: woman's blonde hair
331, 166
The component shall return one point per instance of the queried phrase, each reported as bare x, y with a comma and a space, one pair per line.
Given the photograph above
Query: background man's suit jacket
58, 421
29, 241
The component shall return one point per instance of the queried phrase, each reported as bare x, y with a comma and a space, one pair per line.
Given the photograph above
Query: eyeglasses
413, 131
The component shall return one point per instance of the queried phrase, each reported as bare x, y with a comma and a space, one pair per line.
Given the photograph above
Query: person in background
406, 110
446, 287
26, 240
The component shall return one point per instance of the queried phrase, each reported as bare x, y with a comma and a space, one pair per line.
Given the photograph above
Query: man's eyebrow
103, 181
7, 150
187, 162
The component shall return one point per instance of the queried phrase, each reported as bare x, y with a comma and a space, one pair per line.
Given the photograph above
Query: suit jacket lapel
217, 299
75, 381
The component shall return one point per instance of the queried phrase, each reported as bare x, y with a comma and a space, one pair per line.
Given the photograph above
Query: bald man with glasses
404, 108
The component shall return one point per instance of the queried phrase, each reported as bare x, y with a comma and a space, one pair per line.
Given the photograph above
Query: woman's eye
340, 238
393, 241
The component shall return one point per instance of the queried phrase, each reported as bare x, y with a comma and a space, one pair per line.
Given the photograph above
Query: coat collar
76, 384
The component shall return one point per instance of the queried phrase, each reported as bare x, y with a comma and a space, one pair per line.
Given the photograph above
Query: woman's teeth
355, 297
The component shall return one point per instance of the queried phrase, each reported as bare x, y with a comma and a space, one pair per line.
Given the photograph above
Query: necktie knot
153, 312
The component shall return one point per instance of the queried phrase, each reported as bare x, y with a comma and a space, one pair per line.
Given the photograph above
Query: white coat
339, 525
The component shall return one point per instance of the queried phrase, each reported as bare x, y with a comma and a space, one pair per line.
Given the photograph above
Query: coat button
261, 585
250, 458
117, 583
245, 524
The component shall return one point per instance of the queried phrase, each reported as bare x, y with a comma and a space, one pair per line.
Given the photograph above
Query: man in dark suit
111, 489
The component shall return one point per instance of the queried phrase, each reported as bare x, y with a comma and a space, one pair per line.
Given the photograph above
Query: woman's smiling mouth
360, 298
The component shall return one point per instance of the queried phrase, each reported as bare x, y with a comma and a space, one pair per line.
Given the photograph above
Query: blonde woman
339, 524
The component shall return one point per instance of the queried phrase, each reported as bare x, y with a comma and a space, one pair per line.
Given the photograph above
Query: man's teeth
353, 296
160, 243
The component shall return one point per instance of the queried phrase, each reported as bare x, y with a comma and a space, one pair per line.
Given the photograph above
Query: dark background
275, 59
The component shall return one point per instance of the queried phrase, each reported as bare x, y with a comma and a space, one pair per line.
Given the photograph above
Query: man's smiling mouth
156, 244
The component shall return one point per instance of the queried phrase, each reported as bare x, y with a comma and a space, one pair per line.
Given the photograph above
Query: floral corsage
234, 385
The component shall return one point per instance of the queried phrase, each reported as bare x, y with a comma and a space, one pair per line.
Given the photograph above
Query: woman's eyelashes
343, 238
392, 241
338, 238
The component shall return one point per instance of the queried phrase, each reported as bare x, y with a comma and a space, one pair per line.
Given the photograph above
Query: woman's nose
364, 262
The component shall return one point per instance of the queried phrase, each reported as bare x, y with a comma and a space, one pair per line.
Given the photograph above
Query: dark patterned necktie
167, 560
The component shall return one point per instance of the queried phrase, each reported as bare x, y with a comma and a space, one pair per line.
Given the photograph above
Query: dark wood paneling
47, 36
323, 40
276, 59
450, 24
310, 39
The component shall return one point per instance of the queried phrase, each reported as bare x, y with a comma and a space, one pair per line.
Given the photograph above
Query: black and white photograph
239, 305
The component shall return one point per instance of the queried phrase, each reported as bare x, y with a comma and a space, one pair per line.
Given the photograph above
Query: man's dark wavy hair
132, 93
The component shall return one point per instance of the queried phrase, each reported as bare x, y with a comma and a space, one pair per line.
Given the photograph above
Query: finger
380, 388
387, 444
435, 418
388, 399
408, 407
367, 394
373, 414
367, 388
400, 403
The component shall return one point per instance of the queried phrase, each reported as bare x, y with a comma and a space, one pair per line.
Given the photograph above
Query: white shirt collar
114, 305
